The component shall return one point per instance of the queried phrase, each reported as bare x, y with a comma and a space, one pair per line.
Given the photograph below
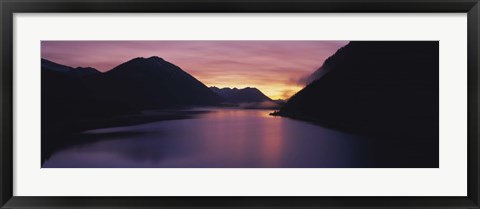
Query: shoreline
68, 133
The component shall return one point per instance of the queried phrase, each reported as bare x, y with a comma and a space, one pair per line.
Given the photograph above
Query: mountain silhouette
150, 83
375, 88
65, 95
78, 99
68, 105
225, 92
68, 71
244, 95
327, 65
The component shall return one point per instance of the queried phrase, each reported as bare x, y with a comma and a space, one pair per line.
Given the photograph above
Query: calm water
220, 138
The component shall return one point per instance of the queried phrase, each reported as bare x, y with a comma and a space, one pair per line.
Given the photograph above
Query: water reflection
223, 138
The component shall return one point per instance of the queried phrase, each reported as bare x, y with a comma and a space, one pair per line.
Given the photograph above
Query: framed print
239, 104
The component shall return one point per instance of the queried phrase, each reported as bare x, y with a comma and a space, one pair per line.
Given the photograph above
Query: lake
227, 138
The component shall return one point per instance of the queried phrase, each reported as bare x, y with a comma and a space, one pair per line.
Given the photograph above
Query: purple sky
272, 66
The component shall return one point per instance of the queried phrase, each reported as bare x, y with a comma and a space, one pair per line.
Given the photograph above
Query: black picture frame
10, 7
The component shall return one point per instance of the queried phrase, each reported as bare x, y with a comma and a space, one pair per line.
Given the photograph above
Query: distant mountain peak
91, 70
250, 89
247, 94
143, 60
67, 70
155, 83
85, 68
152, 64
152, 58
155, 58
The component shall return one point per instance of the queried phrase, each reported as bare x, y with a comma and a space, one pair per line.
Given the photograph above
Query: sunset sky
274, 67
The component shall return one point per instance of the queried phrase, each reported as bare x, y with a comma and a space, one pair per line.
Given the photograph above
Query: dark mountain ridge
329, 63
78, 99
225, 92
375, 88
67, 70
151, 83
244, 95
141, 83
67, 102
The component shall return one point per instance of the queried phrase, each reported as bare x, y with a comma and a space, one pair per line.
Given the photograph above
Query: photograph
239, 104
